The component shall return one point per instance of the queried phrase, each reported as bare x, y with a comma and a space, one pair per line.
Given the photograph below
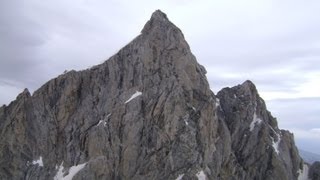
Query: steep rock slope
146, 113
314, 172
260, 150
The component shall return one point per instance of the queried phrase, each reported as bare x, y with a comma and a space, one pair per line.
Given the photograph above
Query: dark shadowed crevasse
145, 113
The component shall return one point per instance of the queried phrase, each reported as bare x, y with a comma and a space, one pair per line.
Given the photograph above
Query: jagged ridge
146, 113
257, 144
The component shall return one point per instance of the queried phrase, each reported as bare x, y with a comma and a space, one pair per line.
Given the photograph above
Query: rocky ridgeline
146, 113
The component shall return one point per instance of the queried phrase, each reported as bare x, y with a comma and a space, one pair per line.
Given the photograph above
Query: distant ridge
309, 157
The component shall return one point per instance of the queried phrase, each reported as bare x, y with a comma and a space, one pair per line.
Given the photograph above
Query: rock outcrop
146, 113
314, 172
259, 150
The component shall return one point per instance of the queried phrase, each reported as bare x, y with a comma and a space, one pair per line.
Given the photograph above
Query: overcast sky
276, 44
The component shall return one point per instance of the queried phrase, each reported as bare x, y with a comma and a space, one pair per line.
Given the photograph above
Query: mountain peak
24, 94
159, 15
249, 86
248, 83
160, 23
163, 34
146, 113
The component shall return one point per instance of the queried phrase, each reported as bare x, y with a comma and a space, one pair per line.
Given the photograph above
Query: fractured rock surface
146, 113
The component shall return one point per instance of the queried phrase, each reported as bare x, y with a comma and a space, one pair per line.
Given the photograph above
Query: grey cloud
20, 38
300, 116
39, 40
265, 80
301, 112
260, 59
308, 145
282, 37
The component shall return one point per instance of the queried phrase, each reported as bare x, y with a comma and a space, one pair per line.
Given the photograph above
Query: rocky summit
145, 113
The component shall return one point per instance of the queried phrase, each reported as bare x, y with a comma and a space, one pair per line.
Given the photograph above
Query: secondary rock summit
146, 113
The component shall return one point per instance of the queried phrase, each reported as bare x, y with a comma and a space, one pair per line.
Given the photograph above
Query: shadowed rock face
314, 172
259, 149
146, 113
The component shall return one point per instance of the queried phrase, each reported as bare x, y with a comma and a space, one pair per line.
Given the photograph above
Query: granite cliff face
146, 113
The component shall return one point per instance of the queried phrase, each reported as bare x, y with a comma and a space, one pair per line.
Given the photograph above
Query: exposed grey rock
314, 171
259, 149
146, 113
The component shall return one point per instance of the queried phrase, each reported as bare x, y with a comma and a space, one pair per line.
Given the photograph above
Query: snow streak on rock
201, 176
255, 121
217, 102
39, 162
136, 94
275, 144
180, 177
303, 173
104, 121
72, 172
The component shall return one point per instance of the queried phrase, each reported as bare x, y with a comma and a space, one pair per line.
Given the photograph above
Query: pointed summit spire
24, 94
163, 33
160, 22
159, 15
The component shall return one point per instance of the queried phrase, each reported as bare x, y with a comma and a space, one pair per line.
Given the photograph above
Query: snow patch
201, 175
255, 121
303, 173
275, 144
180, 177
186, 118
39, 162
217, 102
136, 94
73, 170
100, 122
60, 173
104, 121
272, 129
